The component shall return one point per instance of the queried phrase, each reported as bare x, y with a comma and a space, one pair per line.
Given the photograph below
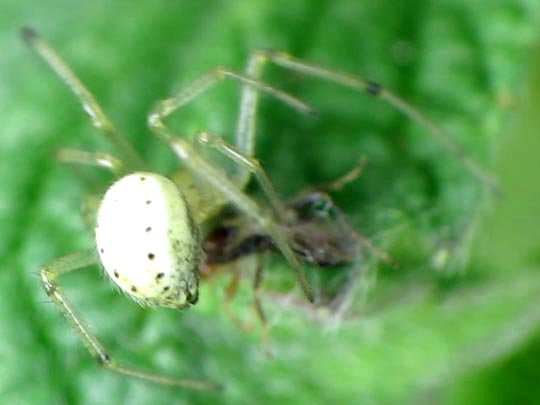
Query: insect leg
259, 310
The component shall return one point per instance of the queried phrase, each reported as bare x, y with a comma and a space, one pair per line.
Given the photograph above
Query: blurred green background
457, 323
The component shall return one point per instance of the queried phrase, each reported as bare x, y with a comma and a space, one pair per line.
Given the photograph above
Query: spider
148, 236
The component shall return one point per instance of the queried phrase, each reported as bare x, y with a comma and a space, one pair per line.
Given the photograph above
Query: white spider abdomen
148, 242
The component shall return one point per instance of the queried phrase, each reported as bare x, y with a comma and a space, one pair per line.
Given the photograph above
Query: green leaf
420, 332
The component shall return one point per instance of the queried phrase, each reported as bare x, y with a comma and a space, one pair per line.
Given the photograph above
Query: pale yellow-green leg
256, 62
247, 116
81, 157
89, 208
167, 106
227, 190
48, 274
88, 102
248, 164
218, 181
90, 203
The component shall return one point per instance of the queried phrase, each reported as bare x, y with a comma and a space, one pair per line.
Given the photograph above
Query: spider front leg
245, 162
87, 100
249, 165
48, 274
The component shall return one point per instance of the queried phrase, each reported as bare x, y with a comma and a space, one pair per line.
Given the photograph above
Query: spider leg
104, 160
246, 163
247, 115
167, 106
48, 274
257, 61
259, 310
230, 192
75, 158
89, 103
250, 165
226, 189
